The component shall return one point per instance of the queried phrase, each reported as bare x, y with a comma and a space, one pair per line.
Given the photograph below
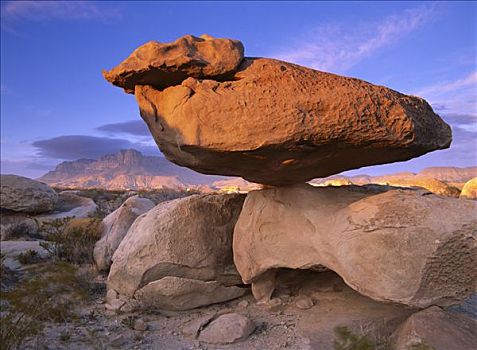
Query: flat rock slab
277, 123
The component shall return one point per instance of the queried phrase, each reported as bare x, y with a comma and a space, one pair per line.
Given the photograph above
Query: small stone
304, 302
118, 341
140, 325
227, 329
243, 304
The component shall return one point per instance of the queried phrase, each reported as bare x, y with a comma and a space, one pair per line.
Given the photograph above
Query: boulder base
393, 246
176, 249
115, 227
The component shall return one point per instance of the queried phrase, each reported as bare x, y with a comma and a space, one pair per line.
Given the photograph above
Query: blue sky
55, 104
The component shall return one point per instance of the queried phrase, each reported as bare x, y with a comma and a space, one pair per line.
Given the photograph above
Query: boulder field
216, 111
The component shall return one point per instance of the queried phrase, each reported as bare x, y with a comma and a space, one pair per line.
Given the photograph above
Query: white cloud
38, 11
334, 47
453, 97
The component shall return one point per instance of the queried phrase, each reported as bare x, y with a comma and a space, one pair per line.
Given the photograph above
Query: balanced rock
22, 194
167, 64
277, 123
115, 227
392, 246
434, 328
180, 249
470, 189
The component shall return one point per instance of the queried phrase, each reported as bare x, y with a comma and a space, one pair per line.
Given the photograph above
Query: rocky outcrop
430, 184
167, 64
14, 225
115, 227
469, 190
436, 329
187, 241
392, 246
273, 122
69, 205
22, 194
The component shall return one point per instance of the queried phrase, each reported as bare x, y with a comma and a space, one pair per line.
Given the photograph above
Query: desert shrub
45, 294
29, 257
7, 276
347, 340
74, 242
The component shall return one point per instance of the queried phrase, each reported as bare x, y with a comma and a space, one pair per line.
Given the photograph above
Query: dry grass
74, 240
45, 294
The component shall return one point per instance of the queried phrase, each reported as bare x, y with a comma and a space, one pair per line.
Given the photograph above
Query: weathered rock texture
185, 239
470, 189
167, 64
115, 227
22, 194
403, 246
278, 123
436, 329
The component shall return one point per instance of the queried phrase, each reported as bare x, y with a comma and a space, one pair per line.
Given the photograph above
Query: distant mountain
447, 181
127, 169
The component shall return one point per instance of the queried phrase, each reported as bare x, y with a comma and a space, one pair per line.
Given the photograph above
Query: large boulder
436, 329
22, 194
167, 64
469, 190
115, 227
391, 246
277, 123
172, 245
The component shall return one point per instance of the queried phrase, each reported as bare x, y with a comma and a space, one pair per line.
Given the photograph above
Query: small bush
29, 257
74, 242
46, 293
347, 340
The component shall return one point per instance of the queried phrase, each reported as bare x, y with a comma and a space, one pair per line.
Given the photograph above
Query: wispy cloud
40, 11
83, 146
334, 47
458, 96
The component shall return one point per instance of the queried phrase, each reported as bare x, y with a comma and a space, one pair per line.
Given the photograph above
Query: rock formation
25, 195
69, 205
277, 123
168, 64
470, 189
433, 328
392, 246
115, 227
178, 255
